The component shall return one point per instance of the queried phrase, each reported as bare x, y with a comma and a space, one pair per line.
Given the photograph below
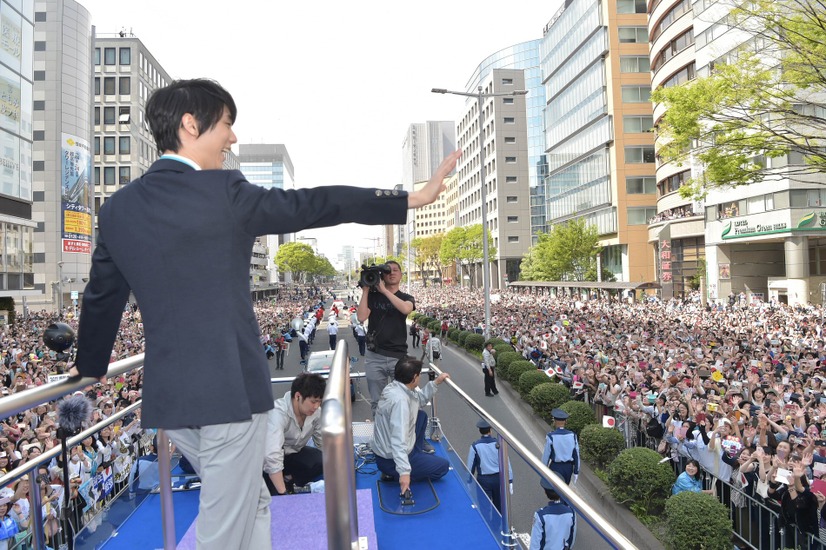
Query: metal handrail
591, 516
28, 399
338, 458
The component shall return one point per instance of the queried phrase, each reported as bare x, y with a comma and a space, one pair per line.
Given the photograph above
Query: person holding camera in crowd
488, 368
386, 307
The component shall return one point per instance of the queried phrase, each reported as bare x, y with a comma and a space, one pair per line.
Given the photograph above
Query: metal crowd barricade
754, 524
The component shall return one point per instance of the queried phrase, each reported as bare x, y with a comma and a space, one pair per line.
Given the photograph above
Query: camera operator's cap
559, 414
483, 424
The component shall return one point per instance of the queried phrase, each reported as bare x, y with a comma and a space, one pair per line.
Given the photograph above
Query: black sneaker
428, 448
387, 477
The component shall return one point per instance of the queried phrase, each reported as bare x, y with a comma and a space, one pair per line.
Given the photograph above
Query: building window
38, 135
641, 154
510, 160
109, 145
636, 94
511, 199
97, 175
39, 105
109, 56
108, 115
97, 145
513, 238
125, 174
509, 120
109, 175
507, 82
123, 115
510, 139
125, 85
640, 185
97, 86
97, 116
39, 46
631, 6
124, 145
510, 179
633, 35
109, 85
507, 100
641, 215
637, 124
97, 56
513, 219
635, 64
39, 76
126, 56
40, 17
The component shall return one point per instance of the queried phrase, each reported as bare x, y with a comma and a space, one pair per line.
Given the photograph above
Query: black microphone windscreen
73, 412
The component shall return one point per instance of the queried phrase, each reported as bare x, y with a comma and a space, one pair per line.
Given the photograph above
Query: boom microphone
73, 412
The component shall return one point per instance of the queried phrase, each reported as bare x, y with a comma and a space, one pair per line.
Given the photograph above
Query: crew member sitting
296, 417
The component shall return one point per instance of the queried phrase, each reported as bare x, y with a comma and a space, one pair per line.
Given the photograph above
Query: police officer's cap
483, 424
559, 414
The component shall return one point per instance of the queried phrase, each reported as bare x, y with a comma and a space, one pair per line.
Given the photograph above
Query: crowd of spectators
739, 387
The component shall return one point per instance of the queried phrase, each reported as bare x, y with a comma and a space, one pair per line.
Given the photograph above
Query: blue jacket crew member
483, 461
554, 526
561, 452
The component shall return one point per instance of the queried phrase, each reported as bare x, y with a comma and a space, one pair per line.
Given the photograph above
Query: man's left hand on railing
74, 372
441, 378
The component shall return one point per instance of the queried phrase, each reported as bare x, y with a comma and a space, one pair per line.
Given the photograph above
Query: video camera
370, 276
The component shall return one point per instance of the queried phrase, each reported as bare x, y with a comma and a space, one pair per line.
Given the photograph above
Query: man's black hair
203, 99
308, 384
406, 369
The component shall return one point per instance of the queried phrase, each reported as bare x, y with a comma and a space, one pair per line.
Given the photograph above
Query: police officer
561, 452
483, 461
554, 526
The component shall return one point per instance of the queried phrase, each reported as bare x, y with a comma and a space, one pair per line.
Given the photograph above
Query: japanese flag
609, 422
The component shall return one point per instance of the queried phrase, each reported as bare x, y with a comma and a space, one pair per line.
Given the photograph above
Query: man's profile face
308, 405
212, 144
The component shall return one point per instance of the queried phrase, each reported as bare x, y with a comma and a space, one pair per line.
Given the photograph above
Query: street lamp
60, 289
480, 97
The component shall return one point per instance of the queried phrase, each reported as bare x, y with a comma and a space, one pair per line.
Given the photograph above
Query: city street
459, 421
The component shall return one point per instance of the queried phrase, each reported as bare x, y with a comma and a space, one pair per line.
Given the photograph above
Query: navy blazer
181, 240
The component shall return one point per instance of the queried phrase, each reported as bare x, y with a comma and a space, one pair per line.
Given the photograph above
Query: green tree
765, 103
297, 258
322, 268
465, 245
567, 253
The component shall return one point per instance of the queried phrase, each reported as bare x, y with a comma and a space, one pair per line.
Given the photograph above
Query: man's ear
190, 125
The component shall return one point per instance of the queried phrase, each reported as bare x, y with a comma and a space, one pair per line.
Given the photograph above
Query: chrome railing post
35, 514
165, 482
506, 531
435, 425
338, 458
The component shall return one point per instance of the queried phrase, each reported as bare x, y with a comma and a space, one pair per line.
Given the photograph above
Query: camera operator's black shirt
388, 324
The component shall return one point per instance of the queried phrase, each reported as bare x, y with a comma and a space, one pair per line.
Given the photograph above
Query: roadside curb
589, 485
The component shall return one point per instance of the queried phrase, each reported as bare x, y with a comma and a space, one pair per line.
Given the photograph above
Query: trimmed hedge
453, 333
600, 445
503, 362
462, 337
639, 480
528, 380
697, 520
502, 349
474, 342
497, 342
546, 397
581, 414
435, 326
516, 369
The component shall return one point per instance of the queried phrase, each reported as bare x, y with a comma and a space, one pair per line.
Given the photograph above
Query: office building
268, 165
61, 184
598, 128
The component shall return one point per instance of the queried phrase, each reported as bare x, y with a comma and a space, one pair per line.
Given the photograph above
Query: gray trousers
379, 370
234, 511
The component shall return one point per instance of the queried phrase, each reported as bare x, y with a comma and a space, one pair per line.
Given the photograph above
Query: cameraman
387, 308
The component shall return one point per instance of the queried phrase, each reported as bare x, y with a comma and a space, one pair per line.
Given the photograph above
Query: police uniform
561, 452
483, 461
554, 527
